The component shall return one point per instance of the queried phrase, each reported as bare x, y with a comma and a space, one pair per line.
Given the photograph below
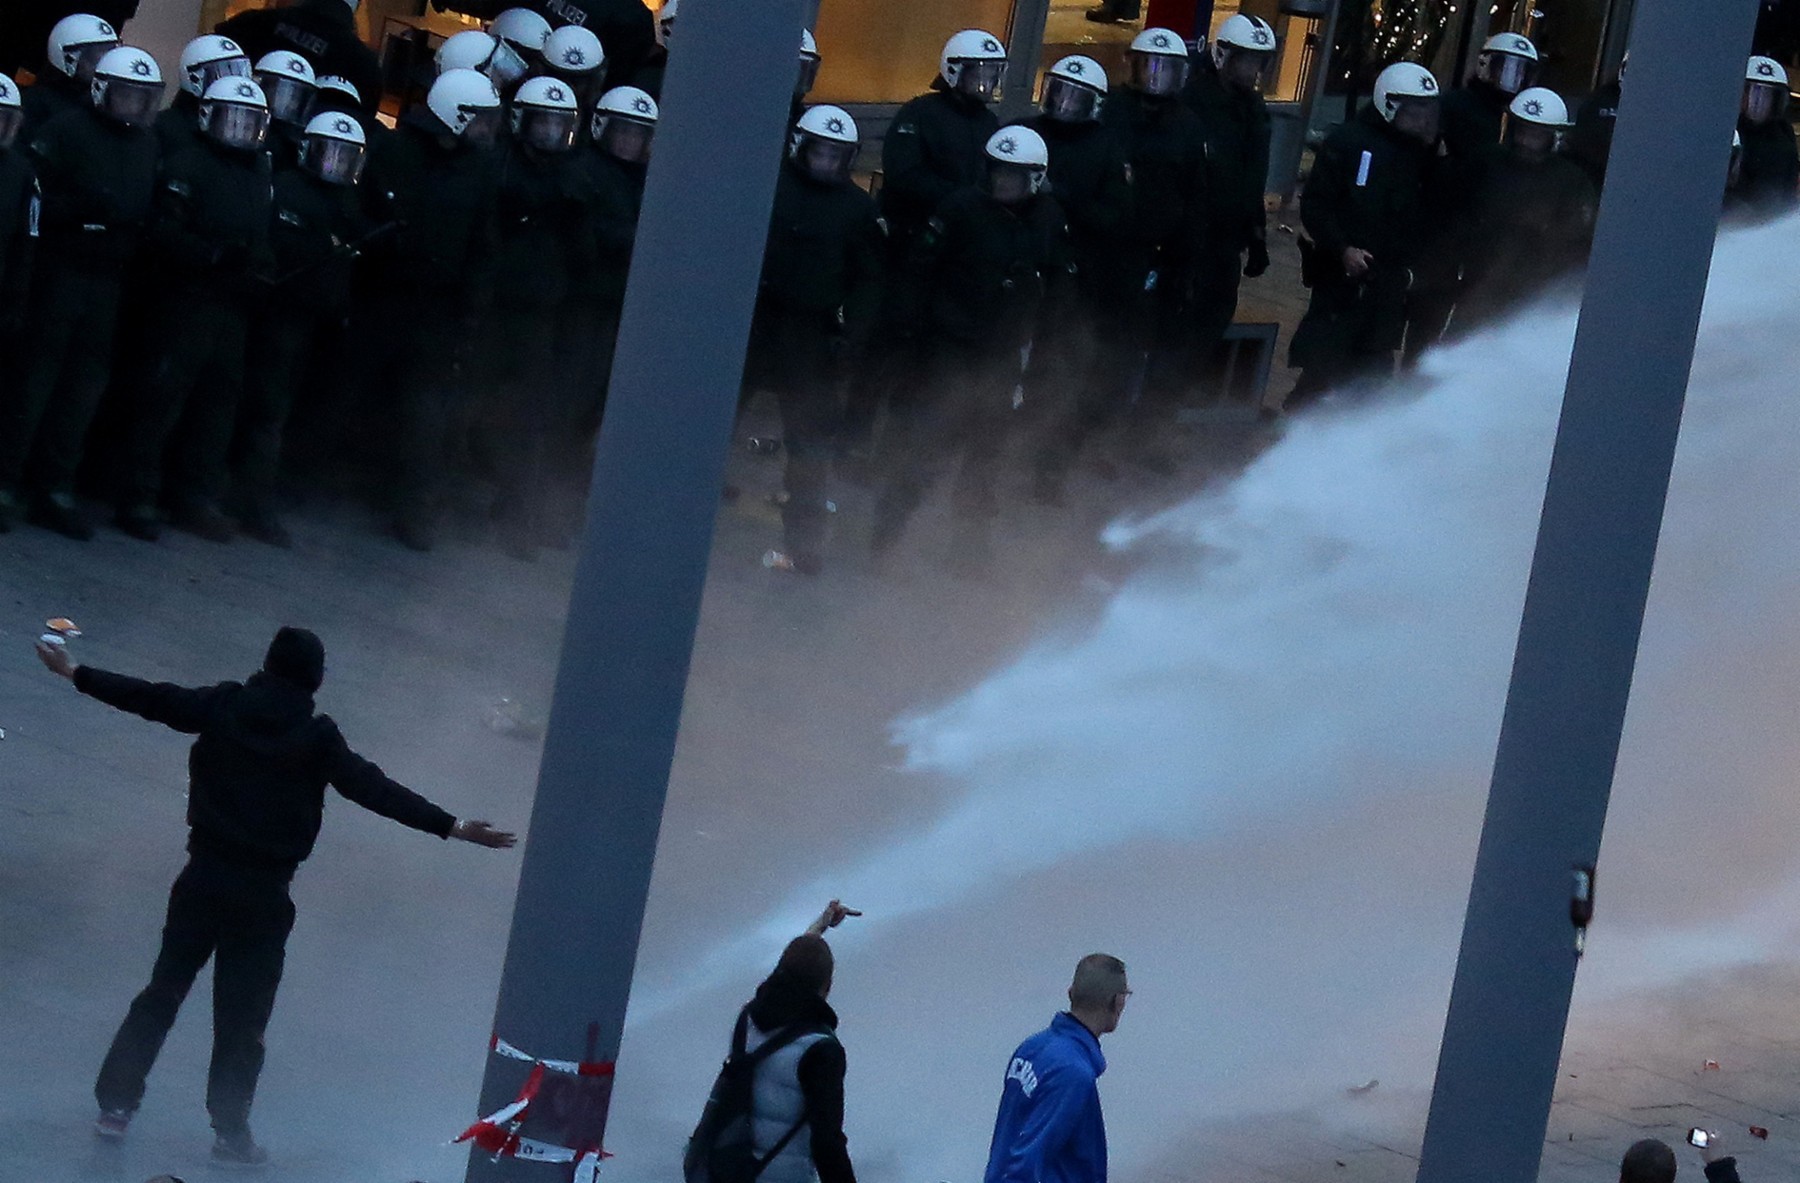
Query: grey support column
1589, 580
638, 583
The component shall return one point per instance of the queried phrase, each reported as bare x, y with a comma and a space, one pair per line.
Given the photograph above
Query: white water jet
1259, 774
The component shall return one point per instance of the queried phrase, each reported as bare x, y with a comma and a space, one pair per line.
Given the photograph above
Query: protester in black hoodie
256, 794
811, 1066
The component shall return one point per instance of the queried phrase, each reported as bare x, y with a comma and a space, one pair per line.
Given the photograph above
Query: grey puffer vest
779, 1106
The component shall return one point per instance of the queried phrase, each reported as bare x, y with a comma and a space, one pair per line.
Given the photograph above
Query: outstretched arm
183, 708
362, 781
834, 914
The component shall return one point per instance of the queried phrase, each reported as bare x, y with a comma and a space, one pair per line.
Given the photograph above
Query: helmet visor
1762, 102
1009, 184
981, 79
1506, 72
825, 160
79, 60
235, 125
131, 103
10, 120
1243, 69
211, 72
336, 162
483, 126
506, 67
624, 139
809, 75
1158, 73
1069, 102
1417, 117
547, 131
290, 100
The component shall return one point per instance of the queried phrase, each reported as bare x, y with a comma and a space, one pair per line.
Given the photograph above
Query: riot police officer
1590, 143
1471, 121
204, 61
543, 244
75, 47
1075, 362
441, 175
18, 234
524, 32
473, 49
1533, 215
321, 31
578, 58
980, 273
1226, 92
1166, 146
1361, 210
292, 88
1769, 179
615, 164
97, 167
208, 244
820, 291
317, 230
933, 148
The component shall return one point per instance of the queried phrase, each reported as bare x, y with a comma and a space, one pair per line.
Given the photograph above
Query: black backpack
722, 1148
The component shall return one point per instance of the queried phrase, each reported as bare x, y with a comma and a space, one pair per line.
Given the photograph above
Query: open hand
834, 914
482, 834
1357, 262
56, 659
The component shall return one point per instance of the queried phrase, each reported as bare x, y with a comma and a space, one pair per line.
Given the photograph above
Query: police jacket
209, 227
1091, 181
981, 270
178, 125
314, 235
1590, 142
1473, 117
826, 252
1167, 149
19, 219
98, 179
544, 239
803, 1082
443, 194
321, 31
259, 766
1365, 191
1235, 125
936, 145
53, 93
1049, 1128
1770, 180
1533, 222
615, 192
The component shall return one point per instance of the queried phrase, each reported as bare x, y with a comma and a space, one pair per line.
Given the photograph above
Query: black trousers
426, 355
241, 920
45, 414
282, 342
187, 409
791, 353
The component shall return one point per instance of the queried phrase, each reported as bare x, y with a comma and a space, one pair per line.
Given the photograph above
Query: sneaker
112, 1124
139, 521
205, 520
238, 1152
58, 512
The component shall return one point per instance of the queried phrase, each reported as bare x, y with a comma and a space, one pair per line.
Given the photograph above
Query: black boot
58, 512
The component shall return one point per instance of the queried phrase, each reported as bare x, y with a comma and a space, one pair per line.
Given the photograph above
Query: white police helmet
825, 143
544, 114
624, 123
334, 148
207, 59
127, 86
1018, 161
973, 63
467, 104
78, 42
234, 112
1158, 61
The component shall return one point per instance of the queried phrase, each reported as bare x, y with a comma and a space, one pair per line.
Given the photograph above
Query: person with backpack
776, 1112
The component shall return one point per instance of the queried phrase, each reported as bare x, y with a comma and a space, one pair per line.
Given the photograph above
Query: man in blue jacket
1050, 1128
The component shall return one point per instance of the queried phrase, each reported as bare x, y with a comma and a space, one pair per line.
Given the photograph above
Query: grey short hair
1099, 978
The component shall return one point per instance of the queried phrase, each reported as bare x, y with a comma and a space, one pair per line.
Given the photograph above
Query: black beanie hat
297, 655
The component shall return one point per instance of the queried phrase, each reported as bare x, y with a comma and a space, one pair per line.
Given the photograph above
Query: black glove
1258, 261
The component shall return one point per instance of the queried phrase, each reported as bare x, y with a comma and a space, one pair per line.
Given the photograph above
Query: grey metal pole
1584, 608
637, 590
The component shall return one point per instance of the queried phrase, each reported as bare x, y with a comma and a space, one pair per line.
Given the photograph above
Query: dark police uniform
208, 244
978, 279
1236, 126
321, 31
438, 284
821, 288
1533, 222
1077, 363
98, 179
1590, 141
1366, 191
52, 94
1473, 118
1769, 182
